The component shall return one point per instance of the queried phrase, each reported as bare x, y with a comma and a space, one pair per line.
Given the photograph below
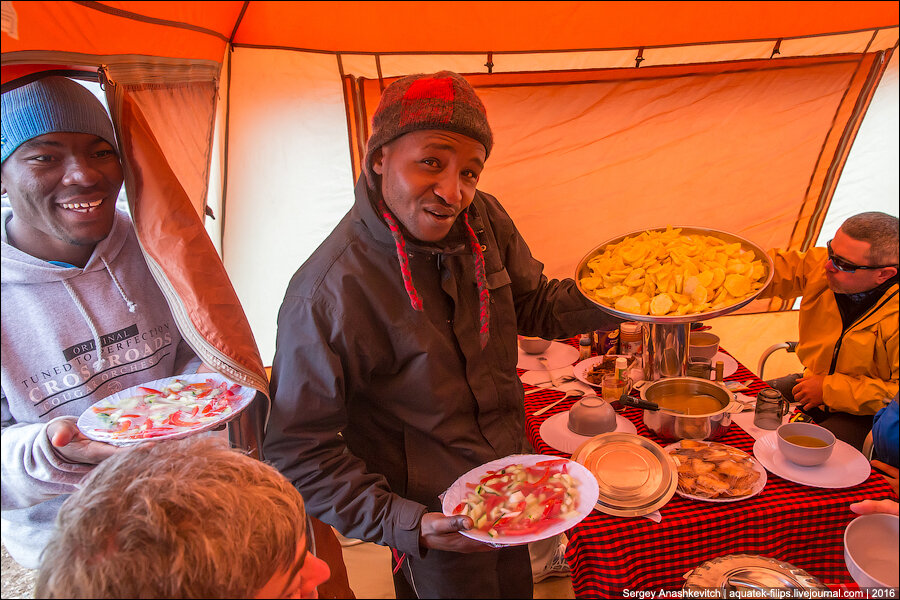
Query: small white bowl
806, 456
703, 344
533, 345
870, 550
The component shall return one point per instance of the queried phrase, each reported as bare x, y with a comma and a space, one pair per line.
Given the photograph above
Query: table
610, 556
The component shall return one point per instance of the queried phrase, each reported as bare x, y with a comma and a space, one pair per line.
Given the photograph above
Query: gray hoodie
54, 319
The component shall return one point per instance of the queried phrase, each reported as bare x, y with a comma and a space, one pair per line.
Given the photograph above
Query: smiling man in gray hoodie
82, 317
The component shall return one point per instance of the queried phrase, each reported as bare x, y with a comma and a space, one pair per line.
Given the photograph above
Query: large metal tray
583, 270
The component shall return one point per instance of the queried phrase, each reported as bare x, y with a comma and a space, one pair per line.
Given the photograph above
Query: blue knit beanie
49, 105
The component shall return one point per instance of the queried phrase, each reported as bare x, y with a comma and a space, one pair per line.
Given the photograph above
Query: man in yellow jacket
848, 324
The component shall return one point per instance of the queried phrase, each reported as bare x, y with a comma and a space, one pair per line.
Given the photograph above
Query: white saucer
730, 364
845, 468
557, 355
556, 433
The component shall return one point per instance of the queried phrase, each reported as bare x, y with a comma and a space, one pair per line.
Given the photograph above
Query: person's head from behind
181, 519
60, 168
864, 253
430, 139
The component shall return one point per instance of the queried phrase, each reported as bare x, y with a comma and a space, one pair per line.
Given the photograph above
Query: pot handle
734, 407
636, 403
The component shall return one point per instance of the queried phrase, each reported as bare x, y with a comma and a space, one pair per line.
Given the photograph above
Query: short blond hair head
176, 519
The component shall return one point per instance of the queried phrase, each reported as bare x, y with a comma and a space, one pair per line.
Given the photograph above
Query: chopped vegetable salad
520, 500
177, 407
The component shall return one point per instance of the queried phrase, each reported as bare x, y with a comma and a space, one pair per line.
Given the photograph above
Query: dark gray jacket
378, 408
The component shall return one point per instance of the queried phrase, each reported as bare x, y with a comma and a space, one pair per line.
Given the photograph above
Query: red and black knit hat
445, 101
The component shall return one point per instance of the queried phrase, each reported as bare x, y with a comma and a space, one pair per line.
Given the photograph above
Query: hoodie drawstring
131, 305
100, 362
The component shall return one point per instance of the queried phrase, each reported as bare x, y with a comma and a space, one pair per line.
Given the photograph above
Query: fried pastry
712, 470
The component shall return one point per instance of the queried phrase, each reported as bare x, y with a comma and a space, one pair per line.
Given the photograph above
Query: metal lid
742, 573
635, 475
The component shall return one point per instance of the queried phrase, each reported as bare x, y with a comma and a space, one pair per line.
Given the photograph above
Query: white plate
588, 492
845, 467
579, 370
556, 433
95, 429
754, 490
558, 355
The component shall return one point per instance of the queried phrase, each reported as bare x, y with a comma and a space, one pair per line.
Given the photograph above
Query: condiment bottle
631, 338
584, 346
621, 368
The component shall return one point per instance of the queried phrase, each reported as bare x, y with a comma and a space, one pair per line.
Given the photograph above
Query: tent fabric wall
289, 179
184, 263
870, 180
286, 144
729, 147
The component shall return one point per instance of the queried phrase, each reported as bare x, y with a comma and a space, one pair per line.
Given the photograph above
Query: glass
614, 388
771, 406
699, 367
845, 265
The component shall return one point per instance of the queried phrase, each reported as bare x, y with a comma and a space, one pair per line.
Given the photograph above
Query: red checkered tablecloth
611, 556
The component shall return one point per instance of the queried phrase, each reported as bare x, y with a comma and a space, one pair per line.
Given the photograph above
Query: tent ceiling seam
124, 14
227, 160
850, 58
238, 21
380, 74
560, 50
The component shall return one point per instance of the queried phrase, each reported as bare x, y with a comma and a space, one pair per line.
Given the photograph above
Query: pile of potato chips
664, 273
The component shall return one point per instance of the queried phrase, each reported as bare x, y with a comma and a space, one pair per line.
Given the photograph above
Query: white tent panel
292, 189
870, 179
293, 181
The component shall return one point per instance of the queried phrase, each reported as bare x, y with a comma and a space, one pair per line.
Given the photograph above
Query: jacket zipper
837, 345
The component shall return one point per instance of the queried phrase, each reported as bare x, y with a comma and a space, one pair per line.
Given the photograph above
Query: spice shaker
584, 346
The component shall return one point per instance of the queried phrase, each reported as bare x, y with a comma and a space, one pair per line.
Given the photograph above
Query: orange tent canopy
608, 116
201, 29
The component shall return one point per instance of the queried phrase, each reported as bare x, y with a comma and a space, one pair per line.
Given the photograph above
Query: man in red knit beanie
395, 363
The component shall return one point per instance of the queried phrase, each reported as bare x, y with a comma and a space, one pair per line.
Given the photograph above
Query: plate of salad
522, 498
165, 409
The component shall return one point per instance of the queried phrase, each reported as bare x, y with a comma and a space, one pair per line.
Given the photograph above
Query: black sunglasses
846, 266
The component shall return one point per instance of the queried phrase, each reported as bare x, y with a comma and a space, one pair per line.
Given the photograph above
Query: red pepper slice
552, 463
175, 419
147, 390
123, 426
551, 509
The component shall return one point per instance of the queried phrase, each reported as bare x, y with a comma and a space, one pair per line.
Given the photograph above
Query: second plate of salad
522, 498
